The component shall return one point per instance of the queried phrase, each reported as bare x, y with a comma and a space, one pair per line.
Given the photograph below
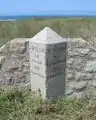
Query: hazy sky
41, 7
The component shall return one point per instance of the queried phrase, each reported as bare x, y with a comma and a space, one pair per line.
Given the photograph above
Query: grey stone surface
79, 51
76, 95
17, 45
14, 62
94, 83
92, 55
3, 49
90, 66
2, 59
48, 63
81, 68
83, 76
77, 85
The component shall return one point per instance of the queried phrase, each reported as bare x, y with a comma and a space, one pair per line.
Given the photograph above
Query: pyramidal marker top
47, 35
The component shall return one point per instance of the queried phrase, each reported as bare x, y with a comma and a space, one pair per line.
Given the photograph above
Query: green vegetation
24, 105
18, 105
81, 27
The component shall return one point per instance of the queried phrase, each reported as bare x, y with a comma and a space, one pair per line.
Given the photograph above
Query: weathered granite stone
70, 75
14, 58
77, 43
92, 54
17, 56
17, 45
3, 49
1, 81
10, 66
8, 79
83, 51
77, 86
80, 86
94, 83
2, 59
83, 76
69, 92
70, 61
90, 66
78, 51
78, 63
76, 95
2, 78
48, 63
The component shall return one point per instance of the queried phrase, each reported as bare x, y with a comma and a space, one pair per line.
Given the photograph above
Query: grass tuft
26, 105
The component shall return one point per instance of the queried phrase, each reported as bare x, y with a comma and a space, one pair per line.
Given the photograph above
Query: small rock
77, 95
69, 92
1, 81
92, 54
70, 61
17, 45
72, 52
8, 79
3, 49
84, 51
11, 66
70, 76
78, 43
78, 63
78, 86
2, 59
83, 76
18, 77
94, 83
90, 66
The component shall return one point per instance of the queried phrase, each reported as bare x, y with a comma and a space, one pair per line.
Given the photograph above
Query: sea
14, 18
21, 17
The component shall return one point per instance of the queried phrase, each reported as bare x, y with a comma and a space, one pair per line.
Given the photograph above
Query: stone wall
80, 73
14, 63
81, 68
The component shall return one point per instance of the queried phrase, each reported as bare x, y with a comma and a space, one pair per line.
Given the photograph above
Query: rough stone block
90, 66
47, 52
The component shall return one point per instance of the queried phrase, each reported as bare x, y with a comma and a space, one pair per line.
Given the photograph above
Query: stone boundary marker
47, 51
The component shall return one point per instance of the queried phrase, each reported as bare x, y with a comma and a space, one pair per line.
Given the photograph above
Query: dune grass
81, 27
25, 105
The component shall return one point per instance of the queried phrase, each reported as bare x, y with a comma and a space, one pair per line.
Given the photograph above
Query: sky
47, 7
